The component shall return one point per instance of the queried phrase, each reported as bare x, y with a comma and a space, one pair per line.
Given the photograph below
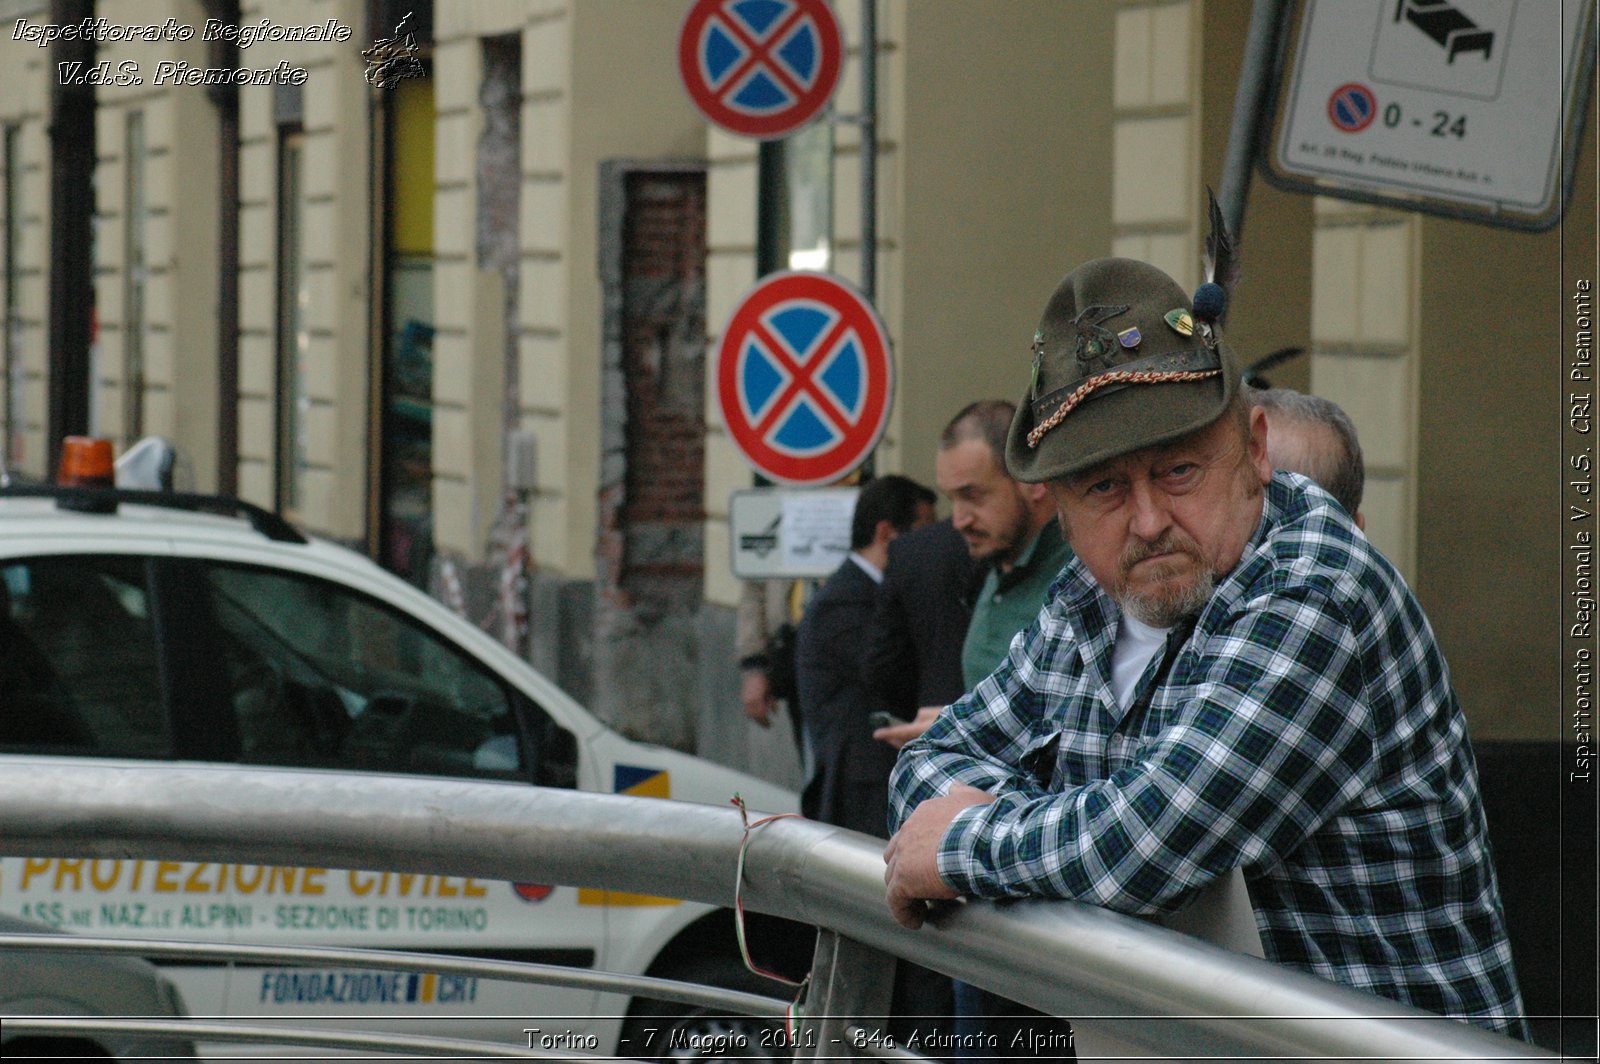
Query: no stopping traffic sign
804, 378
760, 68
1352, 107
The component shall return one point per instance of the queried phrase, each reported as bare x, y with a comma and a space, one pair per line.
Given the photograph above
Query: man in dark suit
850, 777
848, 785
913, 656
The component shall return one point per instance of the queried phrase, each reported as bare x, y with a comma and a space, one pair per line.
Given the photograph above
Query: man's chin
1169, 602
1167, 576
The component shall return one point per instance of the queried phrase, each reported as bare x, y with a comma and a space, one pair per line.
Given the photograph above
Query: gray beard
1164, 611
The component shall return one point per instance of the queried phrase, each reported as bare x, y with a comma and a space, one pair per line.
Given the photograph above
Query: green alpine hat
1123, 360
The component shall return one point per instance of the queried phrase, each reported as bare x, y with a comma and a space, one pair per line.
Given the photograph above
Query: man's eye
1100, 487
1181, 470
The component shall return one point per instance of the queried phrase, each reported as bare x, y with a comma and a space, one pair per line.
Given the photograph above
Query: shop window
406, 458
808, 181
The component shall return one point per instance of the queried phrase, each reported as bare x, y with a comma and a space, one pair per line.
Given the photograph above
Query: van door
83, 673
320, 675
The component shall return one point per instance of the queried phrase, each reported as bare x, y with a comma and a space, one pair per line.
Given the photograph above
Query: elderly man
1226, 676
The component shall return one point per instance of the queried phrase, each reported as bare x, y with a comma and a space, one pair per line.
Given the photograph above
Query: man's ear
884, 532
1036, 495
1258, 444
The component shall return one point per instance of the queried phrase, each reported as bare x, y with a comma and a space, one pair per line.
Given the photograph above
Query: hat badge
1095, 342
1180, 320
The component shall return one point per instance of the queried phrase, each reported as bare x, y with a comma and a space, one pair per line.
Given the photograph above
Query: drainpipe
869, 172
72, 150
225, 54
869, 150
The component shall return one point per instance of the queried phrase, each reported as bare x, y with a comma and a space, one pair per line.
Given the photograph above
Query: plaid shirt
1305, 729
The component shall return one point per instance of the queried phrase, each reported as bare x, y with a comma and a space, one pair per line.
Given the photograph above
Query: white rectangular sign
790, 533
1457, 100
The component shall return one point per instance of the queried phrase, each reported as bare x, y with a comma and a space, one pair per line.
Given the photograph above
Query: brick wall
649, 544
663, 377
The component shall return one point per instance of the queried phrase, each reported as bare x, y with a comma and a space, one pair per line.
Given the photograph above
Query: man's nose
1150, 515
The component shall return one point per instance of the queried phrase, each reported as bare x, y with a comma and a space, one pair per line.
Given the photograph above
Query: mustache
1171, 542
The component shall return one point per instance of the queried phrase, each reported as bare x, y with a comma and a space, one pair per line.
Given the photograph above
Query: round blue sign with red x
1352, 107
760, 68
804, 378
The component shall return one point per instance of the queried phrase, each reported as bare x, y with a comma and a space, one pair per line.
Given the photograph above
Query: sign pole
1250, 106
869, 150
869, 171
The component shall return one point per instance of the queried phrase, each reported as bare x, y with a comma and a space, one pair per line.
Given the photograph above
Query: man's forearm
924, 772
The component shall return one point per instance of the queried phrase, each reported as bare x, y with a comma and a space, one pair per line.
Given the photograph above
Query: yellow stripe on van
430, 987
594, 896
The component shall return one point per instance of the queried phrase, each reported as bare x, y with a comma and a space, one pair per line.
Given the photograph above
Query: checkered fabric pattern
1306, 730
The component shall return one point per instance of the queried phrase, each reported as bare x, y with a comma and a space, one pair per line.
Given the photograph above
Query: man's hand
755, 692
912, 856
897, 735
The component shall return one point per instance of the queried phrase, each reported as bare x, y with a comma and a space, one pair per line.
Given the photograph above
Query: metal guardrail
1153, 990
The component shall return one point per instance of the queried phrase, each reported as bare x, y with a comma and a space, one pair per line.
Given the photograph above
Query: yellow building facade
1014, 140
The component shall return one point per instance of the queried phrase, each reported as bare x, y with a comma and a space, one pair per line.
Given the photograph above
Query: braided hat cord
1082, 391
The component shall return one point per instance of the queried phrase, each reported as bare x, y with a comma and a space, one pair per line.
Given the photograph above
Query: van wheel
673, 1031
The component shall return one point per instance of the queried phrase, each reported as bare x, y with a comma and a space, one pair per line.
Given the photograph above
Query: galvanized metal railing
1143, 988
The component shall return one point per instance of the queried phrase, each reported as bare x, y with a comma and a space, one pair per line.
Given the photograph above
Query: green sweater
1010, 601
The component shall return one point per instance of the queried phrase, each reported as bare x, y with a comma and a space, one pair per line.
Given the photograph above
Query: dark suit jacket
913, 656
849, 785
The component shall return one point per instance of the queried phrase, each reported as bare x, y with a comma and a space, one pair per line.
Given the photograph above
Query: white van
161, 631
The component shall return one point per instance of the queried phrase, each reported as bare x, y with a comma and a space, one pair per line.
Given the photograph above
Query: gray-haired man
1310, 435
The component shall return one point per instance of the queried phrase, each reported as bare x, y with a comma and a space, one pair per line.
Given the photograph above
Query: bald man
1310, 435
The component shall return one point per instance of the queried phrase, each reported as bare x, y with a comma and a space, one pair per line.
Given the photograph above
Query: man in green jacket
1009, 528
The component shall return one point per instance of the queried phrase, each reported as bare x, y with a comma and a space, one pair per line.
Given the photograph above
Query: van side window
322, 677
79, 669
